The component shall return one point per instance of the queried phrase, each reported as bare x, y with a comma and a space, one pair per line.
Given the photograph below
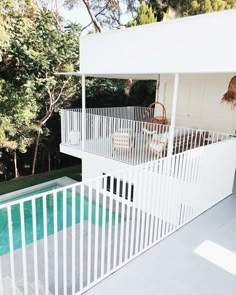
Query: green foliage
73, 172
142, 93
33, 47
145, 15
206, 6
104, 93
17, 116
165, 9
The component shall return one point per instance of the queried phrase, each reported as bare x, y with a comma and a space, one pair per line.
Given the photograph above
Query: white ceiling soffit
197, 44
147, 76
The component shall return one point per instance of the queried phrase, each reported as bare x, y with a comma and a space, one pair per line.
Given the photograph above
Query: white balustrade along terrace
67, 240
131, 112
122, 135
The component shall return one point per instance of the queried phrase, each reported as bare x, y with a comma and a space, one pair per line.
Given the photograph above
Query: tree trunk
59, 159
15, 165
36, 153
92, 16
49, 161
42, 123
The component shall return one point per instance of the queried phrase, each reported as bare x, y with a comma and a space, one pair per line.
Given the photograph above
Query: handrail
88, 230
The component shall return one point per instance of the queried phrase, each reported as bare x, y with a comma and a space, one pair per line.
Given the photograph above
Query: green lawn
73, 172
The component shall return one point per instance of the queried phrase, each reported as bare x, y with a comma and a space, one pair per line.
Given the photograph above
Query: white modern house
194, 65
142, 181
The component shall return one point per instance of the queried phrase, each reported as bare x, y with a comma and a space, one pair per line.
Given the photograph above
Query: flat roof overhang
134, 76
197, 44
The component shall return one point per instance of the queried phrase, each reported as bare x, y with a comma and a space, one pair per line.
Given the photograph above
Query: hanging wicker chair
230, 95
156, 120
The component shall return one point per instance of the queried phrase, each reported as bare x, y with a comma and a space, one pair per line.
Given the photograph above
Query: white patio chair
123, 140
157, 145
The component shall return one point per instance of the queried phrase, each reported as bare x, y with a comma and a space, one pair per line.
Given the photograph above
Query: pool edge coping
63, 181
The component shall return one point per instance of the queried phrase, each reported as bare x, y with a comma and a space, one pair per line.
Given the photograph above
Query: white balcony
121, 134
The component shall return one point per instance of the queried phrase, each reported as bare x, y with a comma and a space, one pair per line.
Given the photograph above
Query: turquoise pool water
16, 225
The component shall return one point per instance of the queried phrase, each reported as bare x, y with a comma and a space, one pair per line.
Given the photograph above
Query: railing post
62, 126
83, 113
173, 116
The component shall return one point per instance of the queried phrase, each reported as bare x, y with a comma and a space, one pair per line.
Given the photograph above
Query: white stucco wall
199, 101
94, 166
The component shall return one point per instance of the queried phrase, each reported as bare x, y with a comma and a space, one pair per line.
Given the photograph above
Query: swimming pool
16, 224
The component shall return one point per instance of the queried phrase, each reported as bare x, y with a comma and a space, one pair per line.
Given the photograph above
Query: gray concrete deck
173, 268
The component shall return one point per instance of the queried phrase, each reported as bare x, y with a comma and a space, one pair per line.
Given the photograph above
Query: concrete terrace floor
138, 154
169, 268
172, 267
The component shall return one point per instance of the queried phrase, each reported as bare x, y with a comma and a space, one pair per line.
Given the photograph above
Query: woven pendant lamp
230, 95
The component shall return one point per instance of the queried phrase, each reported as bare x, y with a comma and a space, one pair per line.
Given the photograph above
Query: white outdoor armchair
157, 144
123, 140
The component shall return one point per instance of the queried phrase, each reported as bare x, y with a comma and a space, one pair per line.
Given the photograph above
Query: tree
38, 47
145, 15
206, 6
103, 12
162, 8
17, 107
104, 92
16, 123
109, 12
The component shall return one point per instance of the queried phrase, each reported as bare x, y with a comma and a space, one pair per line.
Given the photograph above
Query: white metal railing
127, 140
135, 113
67, 240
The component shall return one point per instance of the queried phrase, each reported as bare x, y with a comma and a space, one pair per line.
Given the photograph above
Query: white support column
83, 113
173, 116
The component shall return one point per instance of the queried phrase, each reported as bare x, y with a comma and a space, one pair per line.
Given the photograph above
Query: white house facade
142, 180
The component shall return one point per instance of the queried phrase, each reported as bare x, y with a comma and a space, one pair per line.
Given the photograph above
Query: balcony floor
172, 266
138, 154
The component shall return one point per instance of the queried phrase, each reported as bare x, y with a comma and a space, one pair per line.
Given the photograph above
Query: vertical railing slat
103, 225
122, 217
89, 234
35, 247
1, 277
96, 231
11, 249
55, 230
73, 240
117, 203
45, 239
110, 224
129, 205
23, 242
81, 248
64, 202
